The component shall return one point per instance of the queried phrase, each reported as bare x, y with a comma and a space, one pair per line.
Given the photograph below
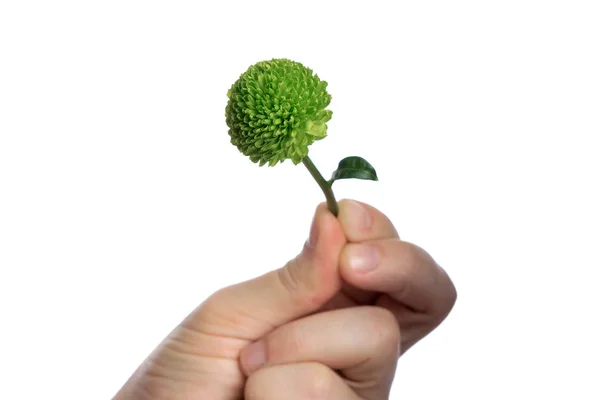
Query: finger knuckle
385, 329
287, 343
289, 277
253, 389
320, 382
411, 257
300, 288
451, 295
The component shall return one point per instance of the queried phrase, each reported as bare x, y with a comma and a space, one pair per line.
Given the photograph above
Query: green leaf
354, 167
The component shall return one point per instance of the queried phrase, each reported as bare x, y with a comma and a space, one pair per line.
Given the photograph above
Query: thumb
251, 309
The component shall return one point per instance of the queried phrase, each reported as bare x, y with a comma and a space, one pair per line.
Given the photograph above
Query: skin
324, 326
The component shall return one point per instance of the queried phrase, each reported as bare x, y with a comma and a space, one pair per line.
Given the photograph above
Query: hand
380, 269
298, 359
348, 354
199, 359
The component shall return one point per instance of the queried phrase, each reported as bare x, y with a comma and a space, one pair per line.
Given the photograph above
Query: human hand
199, 359
379, 269
403, 288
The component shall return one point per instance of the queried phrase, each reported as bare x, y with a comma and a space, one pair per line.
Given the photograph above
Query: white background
123, 205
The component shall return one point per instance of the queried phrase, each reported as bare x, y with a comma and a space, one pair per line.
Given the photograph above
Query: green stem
323, 184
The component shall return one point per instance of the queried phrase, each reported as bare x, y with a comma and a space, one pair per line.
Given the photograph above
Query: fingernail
253, 357
364, 258
360, 218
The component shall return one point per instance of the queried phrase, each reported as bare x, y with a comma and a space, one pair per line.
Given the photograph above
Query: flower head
276, 109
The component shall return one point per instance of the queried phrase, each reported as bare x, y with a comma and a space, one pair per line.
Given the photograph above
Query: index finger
361, 222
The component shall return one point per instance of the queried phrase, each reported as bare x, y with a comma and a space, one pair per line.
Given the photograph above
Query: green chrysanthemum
276, 109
